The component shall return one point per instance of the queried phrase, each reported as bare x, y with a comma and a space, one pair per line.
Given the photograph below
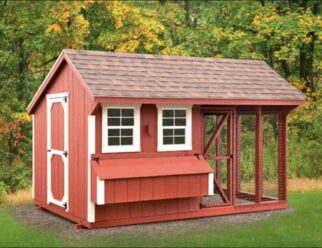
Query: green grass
299, 228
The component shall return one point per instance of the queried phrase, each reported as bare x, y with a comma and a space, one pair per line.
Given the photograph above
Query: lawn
302, 227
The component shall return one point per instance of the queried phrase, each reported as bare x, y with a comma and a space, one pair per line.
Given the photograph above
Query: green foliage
3, 192
286, 34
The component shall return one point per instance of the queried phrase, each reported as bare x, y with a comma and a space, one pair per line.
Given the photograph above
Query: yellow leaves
21, 116
69, 26
135, 28
54, 28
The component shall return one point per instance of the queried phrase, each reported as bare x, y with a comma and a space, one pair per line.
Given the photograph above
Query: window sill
124, 149
174, 148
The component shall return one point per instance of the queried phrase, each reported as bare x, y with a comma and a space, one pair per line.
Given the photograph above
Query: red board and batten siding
149, 120
155, 188
80, 105
146, 209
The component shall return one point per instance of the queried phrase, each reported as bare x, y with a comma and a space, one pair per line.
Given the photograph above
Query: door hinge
65, 99
48, 150
65, 205
65, 153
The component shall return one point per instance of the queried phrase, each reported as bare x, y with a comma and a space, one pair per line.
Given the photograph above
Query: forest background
287, 34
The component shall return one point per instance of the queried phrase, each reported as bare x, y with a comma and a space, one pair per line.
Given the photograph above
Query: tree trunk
187, 15
21, 70
285, 68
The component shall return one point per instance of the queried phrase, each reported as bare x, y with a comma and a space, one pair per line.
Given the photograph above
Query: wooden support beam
238, 149
259, 155
282, 157
215, 134
219, 158
234, 152
220, 191
218, 149
230, 161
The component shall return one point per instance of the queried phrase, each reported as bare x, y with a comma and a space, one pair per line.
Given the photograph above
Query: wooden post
233, 158
229, 161
259, 155
238, 149
282, 157
218, 149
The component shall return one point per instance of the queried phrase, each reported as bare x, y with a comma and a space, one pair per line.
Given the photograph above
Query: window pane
180, 113
167, 140
128, 112
167, 132
128, 121
113, 121
167, 122
127, 141
168, 113
180, 122
113, 112
127, 132
114, 132
179, 132
113, 141
179, 140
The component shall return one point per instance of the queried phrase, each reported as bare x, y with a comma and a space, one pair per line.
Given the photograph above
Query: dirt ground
30, 215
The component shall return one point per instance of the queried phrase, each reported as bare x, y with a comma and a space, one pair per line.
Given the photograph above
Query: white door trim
63, 99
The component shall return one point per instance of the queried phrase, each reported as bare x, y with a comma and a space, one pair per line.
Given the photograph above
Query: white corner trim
33, 157
184, 147
51, 99
210, 183
136, 147
91, 150
100, 192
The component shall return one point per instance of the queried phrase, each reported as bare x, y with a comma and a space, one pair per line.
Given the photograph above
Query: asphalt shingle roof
110, 74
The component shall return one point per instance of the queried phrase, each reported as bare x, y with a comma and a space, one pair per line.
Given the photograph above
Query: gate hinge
65, 205
65, 154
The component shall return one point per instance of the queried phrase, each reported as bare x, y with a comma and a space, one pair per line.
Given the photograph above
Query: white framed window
174, 128
121, 128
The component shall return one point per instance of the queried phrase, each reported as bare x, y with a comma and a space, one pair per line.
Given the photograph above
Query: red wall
149, 138
80, 106
155, 188
143, 189
145, 209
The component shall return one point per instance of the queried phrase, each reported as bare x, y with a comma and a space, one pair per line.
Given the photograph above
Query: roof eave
290, 102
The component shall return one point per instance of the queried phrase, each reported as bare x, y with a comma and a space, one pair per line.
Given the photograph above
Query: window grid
174, 124
120, 126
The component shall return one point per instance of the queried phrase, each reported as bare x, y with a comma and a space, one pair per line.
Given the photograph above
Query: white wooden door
57, 149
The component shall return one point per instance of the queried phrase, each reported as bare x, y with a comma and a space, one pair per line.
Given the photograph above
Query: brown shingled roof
110, 74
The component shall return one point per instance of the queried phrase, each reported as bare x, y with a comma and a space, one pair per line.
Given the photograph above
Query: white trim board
61, 98
100, 191
91, 150
210, 183
33, 156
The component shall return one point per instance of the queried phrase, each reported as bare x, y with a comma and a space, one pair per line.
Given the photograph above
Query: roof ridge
156, 56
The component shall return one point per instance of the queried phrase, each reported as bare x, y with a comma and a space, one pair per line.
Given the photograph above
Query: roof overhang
98, 100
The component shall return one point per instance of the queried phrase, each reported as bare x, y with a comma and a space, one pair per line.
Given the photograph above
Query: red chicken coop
124, 139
